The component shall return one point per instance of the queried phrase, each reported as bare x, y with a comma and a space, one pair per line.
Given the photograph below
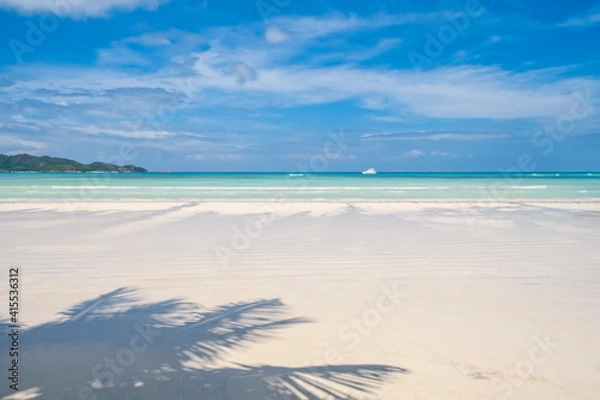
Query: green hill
28, 163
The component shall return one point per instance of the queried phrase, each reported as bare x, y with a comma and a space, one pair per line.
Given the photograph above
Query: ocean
310, 186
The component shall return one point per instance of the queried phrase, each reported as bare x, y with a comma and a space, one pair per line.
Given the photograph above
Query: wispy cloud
236, 90
315, 27
443, 154
165, 46
121, 56
78, 8
387, 118
234, 68
415, 153
16, 144
591, 17
275, 35
416, 136
236, 62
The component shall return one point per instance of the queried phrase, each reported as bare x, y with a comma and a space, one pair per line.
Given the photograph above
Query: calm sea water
386, 186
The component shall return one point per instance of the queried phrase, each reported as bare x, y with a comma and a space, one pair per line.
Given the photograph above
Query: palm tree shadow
115, 347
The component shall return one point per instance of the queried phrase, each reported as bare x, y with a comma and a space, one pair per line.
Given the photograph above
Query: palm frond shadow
115, 347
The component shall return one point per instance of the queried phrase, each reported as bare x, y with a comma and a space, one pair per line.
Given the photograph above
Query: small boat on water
370, 171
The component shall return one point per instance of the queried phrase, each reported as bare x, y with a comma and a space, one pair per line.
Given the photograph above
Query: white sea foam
534, 187
258, 188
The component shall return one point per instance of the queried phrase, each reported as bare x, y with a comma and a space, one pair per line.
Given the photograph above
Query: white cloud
592, 17
166, 45
443, 154
121, 56
149, 39
275, 35
213, 156
462, 92
412, 136
336, 23
32, 144
78, 8
237, 70
415, 153
382, 47
244, 72
126, 133
445, 92
238, 55
12, 144
387, 118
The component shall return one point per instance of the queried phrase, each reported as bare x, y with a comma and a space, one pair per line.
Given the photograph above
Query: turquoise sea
382, 186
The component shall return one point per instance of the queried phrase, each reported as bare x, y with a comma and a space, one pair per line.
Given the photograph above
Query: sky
311, 85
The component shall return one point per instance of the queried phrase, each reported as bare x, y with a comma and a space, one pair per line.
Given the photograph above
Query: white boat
370, 171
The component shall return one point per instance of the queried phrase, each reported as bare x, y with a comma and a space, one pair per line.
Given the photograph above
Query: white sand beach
305, 300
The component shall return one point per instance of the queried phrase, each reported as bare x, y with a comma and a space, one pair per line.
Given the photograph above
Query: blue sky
400, 85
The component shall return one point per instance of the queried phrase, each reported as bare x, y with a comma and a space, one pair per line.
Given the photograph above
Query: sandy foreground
299, 300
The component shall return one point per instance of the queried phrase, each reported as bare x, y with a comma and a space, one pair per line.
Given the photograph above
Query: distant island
28, 163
